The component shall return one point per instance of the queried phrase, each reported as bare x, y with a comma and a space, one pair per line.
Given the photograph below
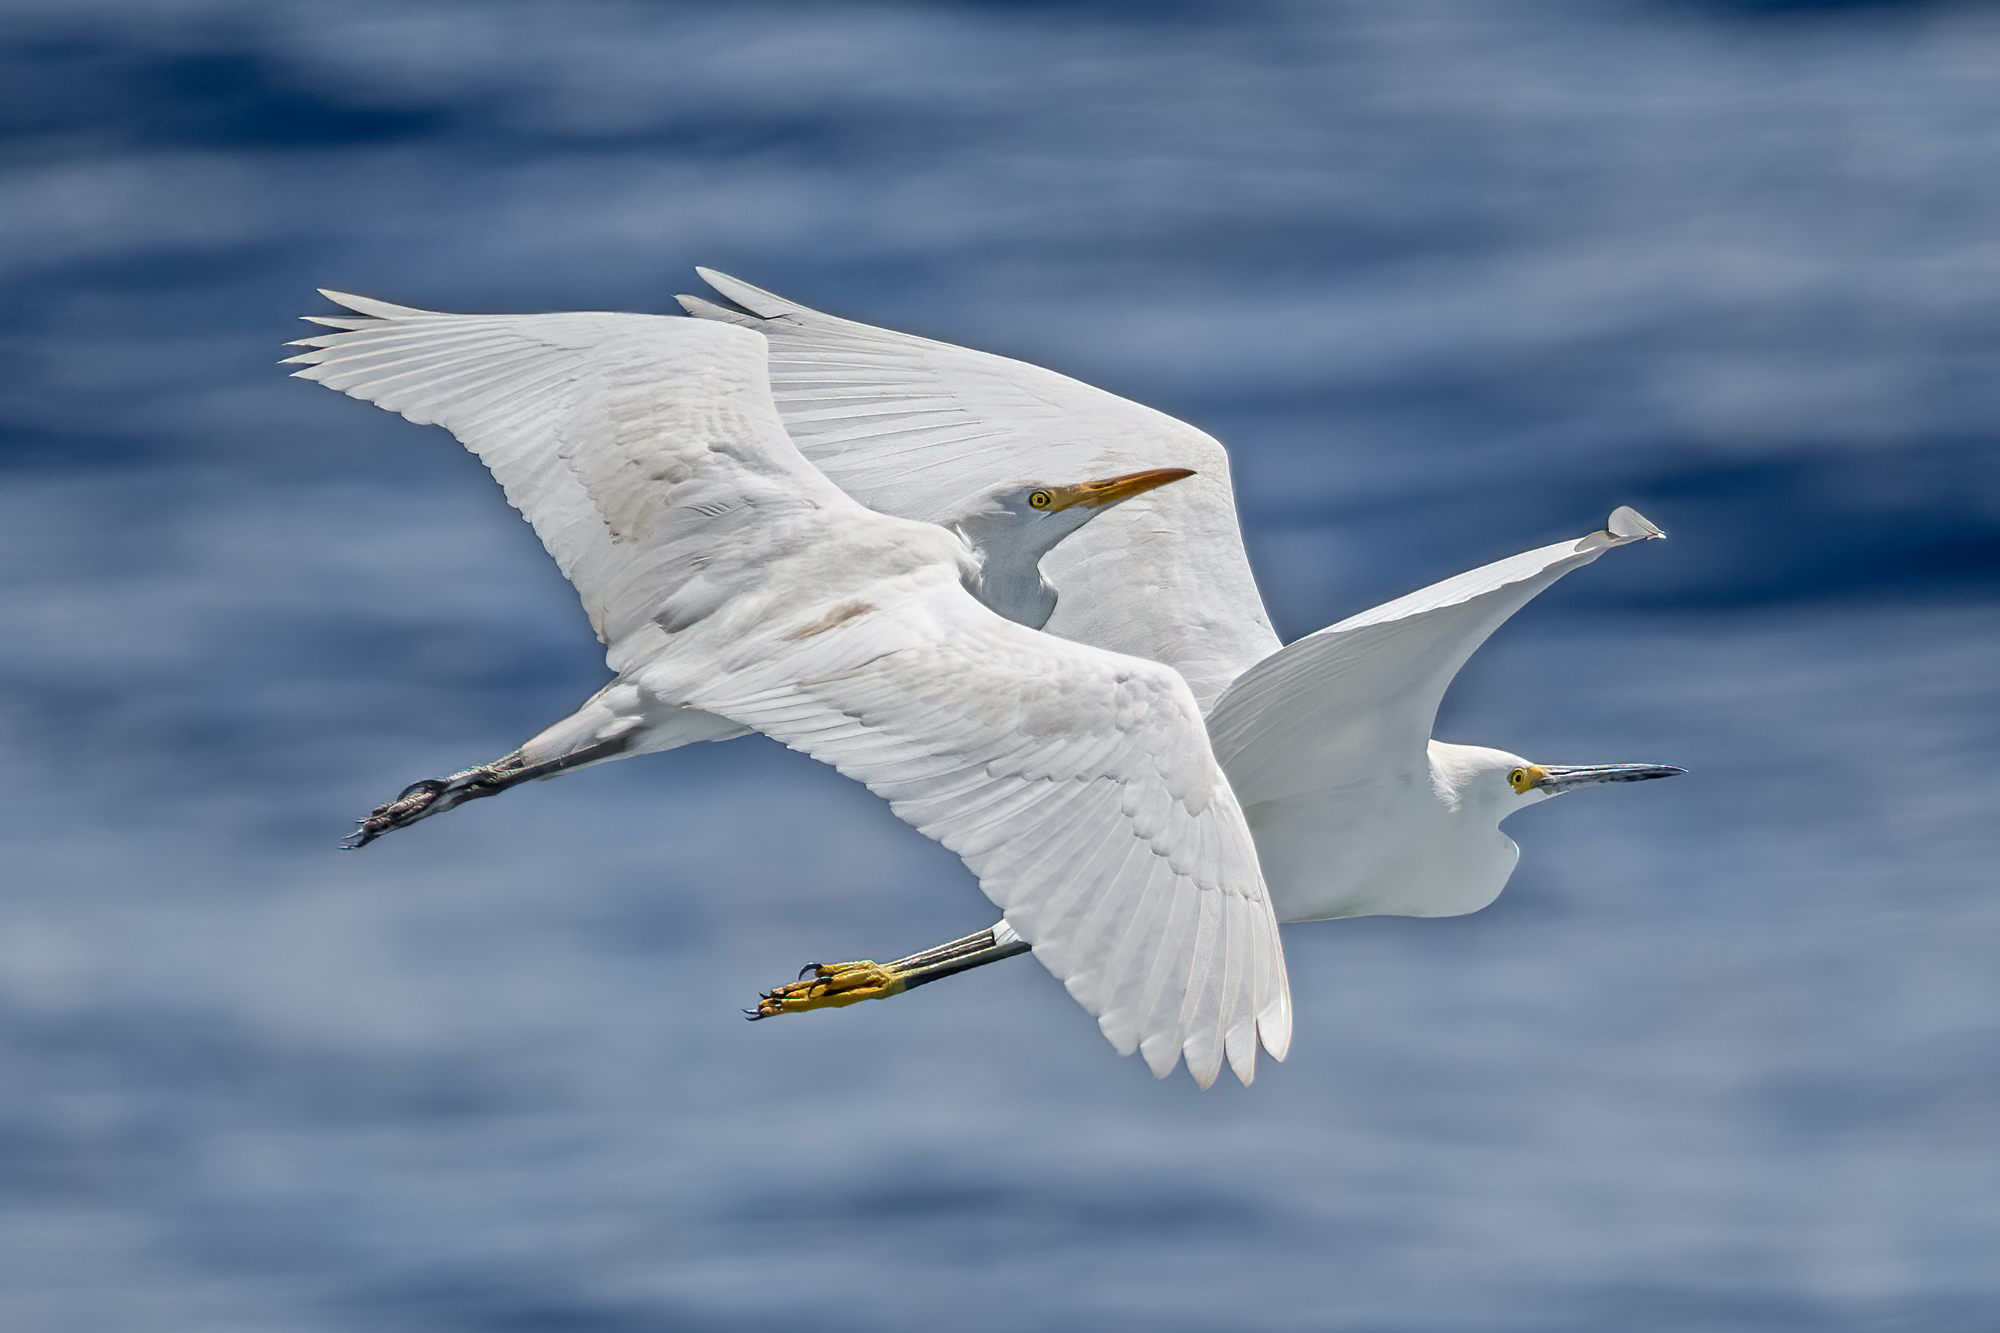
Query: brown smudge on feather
846, 611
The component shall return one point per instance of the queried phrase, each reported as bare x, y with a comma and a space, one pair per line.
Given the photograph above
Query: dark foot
433, 796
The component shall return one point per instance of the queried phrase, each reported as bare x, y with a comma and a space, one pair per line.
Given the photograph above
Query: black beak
1561, 779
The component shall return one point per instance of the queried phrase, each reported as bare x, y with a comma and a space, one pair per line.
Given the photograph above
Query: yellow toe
832, 986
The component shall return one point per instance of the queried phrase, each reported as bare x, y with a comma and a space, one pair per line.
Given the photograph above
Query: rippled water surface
1452, 278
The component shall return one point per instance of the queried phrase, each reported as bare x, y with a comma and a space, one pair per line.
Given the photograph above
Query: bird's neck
1005, 574
1015, 589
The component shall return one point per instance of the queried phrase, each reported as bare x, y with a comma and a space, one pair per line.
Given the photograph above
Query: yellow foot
831, 986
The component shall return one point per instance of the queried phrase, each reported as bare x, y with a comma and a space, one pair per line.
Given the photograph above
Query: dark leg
420, 800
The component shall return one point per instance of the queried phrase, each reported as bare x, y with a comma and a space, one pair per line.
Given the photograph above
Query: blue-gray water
1452, 277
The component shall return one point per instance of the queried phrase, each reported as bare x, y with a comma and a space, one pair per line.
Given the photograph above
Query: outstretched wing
1077, 784
1306, 717
644, 449
918, 428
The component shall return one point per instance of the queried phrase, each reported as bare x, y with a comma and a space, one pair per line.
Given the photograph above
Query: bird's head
1015, 525
1032, 516
1528, 783
1502, 783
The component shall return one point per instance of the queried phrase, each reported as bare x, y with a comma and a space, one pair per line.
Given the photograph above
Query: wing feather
931, 425
1303, 733
597, 426
1076, 784
1372, 683
1166, 987
1126, 950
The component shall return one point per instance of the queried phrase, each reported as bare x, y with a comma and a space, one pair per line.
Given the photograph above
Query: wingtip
1245, 1066
1274, 1029
1240, 1045
765, 305
1161, 1053
1628, 524
368, 305
1203, 1053
723, 312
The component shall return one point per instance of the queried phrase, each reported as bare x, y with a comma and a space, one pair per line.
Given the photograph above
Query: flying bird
738, 589
1355, 809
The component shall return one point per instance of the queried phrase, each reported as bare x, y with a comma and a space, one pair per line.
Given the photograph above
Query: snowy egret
1327, 742
1355, 810
737, 588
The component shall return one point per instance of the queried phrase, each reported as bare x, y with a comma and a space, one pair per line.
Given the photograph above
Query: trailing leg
836, 985
616, 722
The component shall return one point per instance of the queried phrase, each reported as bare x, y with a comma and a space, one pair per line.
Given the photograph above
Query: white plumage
737, 587
1355, 809
909, 426
1327, 742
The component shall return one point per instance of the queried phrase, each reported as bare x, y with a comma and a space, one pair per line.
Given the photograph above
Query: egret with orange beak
738, 590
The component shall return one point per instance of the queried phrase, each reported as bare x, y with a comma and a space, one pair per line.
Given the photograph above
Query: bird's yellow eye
1041, 499
1518, 779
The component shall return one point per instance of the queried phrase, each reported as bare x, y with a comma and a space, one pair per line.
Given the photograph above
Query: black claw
809, 967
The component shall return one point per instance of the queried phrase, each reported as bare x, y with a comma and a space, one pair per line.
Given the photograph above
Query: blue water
1452, 278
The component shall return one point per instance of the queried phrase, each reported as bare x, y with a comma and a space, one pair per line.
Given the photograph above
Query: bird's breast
1375, 851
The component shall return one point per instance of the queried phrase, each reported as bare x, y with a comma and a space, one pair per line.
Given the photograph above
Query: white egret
737, 588
1327, 742
1355, 810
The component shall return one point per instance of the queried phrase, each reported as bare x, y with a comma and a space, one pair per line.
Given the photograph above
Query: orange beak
1097, 494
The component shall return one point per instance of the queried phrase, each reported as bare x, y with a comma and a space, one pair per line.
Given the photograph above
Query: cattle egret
739, 589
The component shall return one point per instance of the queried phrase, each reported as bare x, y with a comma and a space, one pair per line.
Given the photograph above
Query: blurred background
1451, 277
